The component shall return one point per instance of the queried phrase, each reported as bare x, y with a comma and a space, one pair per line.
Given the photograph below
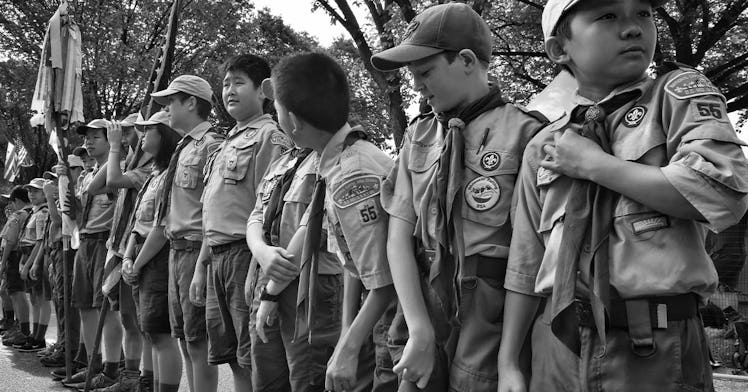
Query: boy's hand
197, 287
267, 313
50, 188
128, 274
417, 362
60, 170
341, 368
114, 135
276, 263
572, 155
34, 271
511, 380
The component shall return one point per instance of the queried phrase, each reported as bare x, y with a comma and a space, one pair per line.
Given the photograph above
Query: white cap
556, 8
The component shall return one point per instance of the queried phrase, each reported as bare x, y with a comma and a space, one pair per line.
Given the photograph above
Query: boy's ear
554, 47
298, 124
468, 58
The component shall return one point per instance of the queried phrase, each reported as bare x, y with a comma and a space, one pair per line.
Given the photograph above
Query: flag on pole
16, 156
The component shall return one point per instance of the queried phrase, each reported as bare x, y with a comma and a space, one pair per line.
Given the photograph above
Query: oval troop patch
634, 116
356, 189
490, 161
689, 85
482, 193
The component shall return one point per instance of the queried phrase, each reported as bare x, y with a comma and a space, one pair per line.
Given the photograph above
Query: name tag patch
482, 193
356, 190
650, 224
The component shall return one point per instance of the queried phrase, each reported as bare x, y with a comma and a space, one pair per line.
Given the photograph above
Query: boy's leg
132, 338
554, 366
169, 362
269, 367
87, 296
112, 343
307, 363
227, 313
188, 321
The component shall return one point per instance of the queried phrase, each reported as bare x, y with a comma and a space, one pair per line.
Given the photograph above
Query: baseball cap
162, 117
37, 183
188, 84
452, 26
16, 192
555, 9
75, 161
80, 151
99, 123
129, 121
48, 175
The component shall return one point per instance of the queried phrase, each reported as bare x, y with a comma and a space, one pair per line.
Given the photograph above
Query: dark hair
19, 193
563, 29
314, 87
254, 66
169, 140
203, 107
451, 56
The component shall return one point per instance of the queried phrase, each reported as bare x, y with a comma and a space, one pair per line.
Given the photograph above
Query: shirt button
433, 210
586, 248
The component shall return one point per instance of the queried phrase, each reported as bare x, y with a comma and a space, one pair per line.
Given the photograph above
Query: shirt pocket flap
301, 189
637, 142
492, 163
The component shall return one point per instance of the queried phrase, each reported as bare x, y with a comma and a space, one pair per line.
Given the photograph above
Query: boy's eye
425, 73
607, 16
645, 14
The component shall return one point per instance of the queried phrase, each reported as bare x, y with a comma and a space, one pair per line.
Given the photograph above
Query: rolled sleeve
137, 176
397, 188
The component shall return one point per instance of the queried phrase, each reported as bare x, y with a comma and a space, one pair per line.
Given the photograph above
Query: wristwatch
265, 296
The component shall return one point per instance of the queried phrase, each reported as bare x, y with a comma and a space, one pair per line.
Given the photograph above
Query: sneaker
145, 384
76, 378
49, 350
59, 374
32, 345
99, 381
18, 339
56, 359
127, 382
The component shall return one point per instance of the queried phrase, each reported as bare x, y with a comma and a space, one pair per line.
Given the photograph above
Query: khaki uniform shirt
356, 222
146, 209
494, 143
233, 176
102, 210
295, 203
13, 230
36, 226
185, 216
678, 124
137, 177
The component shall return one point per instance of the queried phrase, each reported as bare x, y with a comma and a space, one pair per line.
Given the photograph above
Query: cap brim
161, 97
401, 55
32, 186
4, 196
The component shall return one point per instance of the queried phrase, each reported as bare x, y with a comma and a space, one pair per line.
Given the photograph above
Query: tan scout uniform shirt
36, 226
493, 151
233, 176
184, 220
12, 231
146, 209
295, 202
678, 124
357, 224
102, 210
137, 177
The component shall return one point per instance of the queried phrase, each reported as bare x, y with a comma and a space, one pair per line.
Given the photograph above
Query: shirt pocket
188, 172
489, 184
301, 189
636, 223
145, 211
422, 158
236, 159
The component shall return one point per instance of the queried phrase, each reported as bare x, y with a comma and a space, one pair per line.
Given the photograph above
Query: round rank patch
634, 116
482, 193
490, 161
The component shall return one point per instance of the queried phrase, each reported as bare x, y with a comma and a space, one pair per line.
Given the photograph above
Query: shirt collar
641, 85
254, 124
331, 153
200, 130
39, 207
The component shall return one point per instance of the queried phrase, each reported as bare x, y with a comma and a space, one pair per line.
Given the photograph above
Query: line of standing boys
500, 251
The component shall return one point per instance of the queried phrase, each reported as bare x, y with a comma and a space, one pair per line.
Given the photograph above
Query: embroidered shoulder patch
689, 85
356, 190
634, 116
707, 109
280, 140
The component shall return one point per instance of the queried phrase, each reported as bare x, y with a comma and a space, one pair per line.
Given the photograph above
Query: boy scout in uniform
449, 200
312, 99
10, 265
231, 182
278, 355
614, 201
180, 211
32, 248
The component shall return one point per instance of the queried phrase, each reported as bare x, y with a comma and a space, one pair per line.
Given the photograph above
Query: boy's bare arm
519, 314
97, 186
578, 157
277, 263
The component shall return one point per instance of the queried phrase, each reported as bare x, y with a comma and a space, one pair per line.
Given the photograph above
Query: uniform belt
489, 267
218, 249
661, 310
182, 244
57, 245
25, 249
104, 235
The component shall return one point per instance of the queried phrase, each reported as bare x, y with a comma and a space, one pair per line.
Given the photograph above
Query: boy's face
129, 137
96, 143
612, 41
179, 111
441, 83
151, 140
242, 99
36, 196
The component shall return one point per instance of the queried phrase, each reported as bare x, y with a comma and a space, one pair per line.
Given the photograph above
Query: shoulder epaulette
534, 114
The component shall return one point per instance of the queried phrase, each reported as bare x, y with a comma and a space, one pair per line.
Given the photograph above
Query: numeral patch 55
368, 212
708, 110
